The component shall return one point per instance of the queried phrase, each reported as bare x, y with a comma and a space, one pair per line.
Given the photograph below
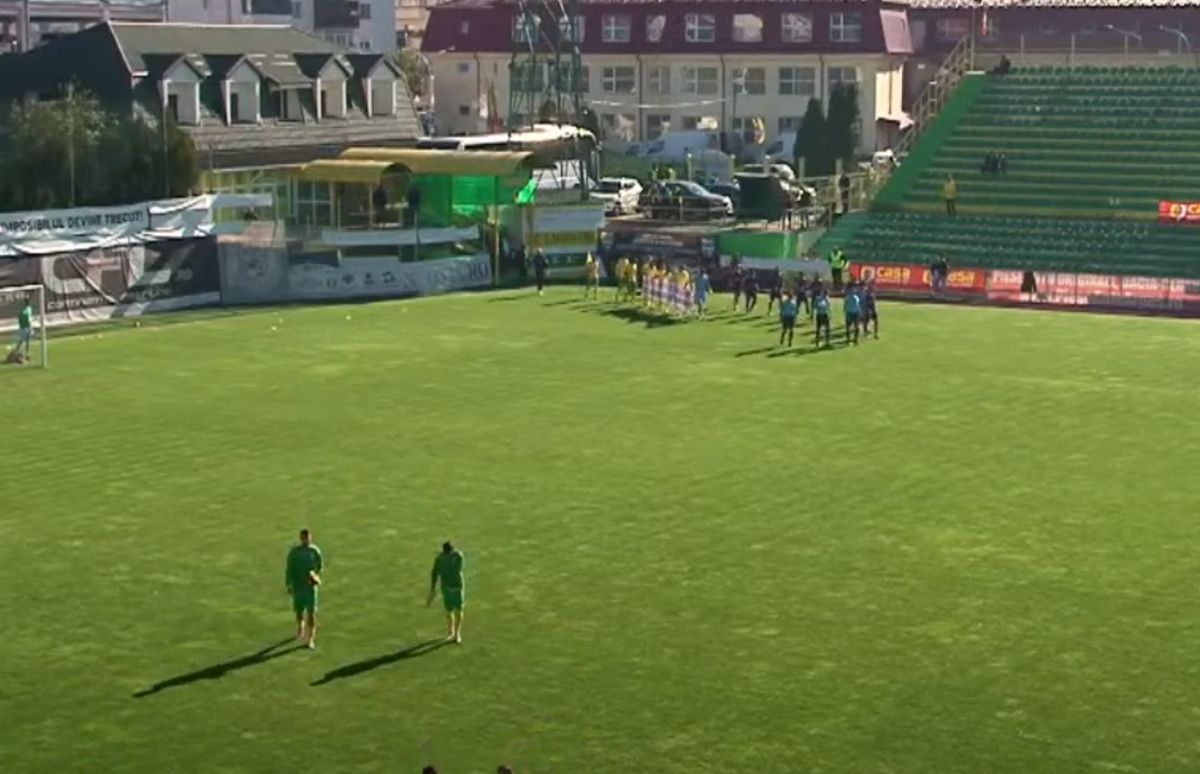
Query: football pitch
970, 546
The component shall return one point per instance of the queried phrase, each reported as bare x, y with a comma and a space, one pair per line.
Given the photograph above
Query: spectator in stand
1003, 68
991, 163
844, 190
1002, 164
950, 195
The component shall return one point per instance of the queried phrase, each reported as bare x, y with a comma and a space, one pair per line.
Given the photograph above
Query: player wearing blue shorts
821, 311
852, 307
701, 288
788, 309
870, 310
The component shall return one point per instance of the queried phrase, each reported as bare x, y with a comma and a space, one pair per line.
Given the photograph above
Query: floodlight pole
1184, 42
1127, 34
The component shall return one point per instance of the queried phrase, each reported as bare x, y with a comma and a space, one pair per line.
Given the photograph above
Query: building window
464, 110
617, 80
619, 126
750, 80
797, 81
845, 27
797, 28
691, 123
525, 29
364, 10
658, 80
749, 128
616, 29
700, 80
654, 28
577, 85
566, 33
789, 124
464, 67
700, 28
842, 75
527, 76
297, 9
464, 28
953, 30
747, 28
657, 125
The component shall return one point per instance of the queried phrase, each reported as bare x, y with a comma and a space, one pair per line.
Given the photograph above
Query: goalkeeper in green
448, 570
302, 577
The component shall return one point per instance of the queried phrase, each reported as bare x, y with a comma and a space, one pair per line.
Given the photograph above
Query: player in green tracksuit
448, 571
302, 577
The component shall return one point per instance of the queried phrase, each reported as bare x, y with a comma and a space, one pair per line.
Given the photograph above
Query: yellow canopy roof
442, 162
364, 172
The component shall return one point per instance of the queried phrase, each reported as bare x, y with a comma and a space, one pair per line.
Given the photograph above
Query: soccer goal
13, 303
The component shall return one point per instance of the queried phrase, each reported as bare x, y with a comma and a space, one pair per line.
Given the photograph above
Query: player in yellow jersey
624, 282
591, 273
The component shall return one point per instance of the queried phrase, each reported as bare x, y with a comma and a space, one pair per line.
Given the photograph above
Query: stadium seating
1090, 151
1090, 143
1060, 244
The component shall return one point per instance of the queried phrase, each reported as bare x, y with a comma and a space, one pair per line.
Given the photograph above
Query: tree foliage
71, 152
824, 139
409, 63
842, 124
810, 141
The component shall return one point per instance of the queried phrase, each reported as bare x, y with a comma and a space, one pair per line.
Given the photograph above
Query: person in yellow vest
837, 267
591, 273
950, 195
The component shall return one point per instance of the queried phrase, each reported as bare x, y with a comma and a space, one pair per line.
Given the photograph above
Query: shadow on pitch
834, 345
634, 315
359, 667
217, 671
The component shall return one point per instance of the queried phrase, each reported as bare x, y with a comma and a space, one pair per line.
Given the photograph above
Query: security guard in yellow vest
837, 266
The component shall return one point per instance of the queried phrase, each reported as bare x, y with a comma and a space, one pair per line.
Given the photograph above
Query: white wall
461, 81
245, 83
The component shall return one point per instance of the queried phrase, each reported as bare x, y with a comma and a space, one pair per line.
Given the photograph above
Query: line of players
859, 305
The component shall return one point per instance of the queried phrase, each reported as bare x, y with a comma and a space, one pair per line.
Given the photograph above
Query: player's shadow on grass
366, 665
633, 315
216, 671
809, 349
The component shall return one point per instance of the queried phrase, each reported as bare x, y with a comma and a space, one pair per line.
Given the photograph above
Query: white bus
558, 147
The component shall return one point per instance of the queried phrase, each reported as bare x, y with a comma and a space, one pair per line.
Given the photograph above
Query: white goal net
24, 306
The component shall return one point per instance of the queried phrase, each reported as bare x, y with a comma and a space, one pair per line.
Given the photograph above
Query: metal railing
938, 91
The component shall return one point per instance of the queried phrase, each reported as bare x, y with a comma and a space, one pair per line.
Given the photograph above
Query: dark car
730, 191
683, 200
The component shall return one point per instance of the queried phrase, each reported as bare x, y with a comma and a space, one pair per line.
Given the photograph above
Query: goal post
12, 300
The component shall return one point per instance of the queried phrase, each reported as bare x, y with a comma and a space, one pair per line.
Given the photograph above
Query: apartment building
411, 18
24, 25
651, 67
363, 25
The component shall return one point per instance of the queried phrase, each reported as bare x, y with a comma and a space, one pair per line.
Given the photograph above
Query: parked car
730, 191
619, 194
683, 200
777, 169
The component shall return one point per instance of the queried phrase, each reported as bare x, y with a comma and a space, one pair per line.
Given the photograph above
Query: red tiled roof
478, 26
955, 4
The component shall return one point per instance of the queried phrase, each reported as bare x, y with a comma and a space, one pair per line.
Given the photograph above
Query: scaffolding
545, 75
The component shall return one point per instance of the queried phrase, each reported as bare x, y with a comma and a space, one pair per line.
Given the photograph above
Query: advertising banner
252, 274
911, 277
1179, 212
566, 235
51, 232
115, 281
1100, 291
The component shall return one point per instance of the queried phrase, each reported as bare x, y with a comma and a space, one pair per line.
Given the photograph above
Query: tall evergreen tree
842, 124
810, 140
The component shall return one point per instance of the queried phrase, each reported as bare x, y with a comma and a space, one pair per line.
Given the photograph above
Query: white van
782, 148
674, 146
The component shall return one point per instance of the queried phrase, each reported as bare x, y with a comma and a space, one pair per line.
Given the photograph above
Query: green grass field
968, 547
